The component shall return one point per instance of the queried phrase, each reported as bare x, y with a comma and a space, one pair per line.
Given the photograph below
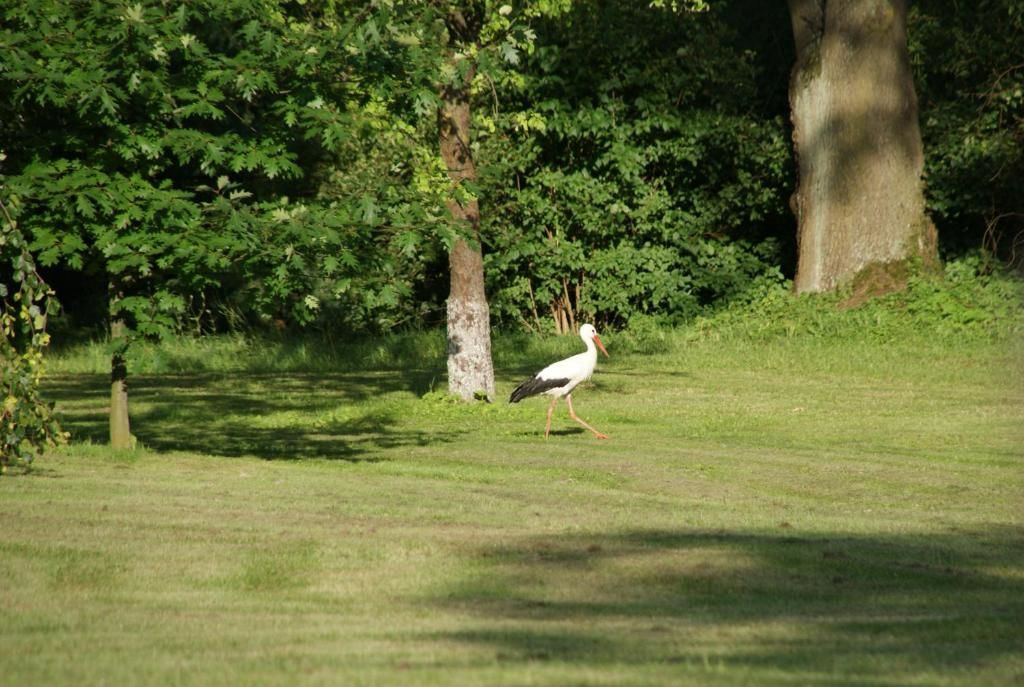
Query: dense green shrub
238, 152
634, 176
27, 421
970, 81
969, 302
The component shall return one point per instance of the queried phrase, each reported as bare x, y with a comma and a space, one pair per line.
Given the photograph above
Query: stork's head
588, 333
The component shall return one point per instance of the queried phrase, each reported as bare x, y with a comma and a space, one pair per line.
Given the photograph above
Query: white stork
559, 379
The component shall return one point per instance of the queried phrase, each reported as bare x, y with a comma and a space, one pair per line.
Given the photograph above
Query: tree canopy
211, 164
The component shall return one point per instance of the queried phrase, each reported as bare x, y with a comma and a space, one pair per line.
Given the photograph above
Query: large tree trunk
860, 202
470, 369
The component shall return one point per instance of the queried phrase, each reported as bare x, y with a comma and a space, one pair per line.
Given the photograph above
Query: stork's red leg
577, 418
551, 409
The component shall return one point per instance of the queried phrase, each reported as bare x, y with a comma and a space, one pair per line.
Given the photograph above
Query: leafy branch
27, 422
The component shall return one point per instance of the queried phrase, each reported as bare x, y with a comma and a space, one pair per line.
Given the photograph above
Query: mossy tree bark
859, 202
470, 368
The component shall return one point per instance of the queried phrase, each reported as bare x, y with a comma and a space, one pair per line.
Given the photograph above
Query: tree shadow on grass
866, 608
310, 415
538, 433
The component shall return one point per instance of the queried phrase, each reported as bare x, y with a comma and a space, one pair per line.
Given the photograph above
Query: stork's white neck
591, 348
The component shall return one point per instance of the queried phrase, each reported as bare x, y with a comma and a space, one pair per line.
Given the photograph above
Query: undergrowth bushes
968, 304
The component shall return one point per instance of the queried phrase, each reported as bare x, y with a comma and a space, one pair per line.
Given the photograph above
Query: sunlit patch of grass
274, 567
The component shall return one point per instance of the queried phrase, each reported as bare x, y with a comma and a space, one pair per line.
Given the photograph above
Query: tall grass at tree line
969, 304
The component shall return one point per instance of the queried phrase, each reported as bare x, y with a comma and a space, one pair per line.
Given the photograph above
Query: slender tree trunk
470, 369
120, 430
860, 201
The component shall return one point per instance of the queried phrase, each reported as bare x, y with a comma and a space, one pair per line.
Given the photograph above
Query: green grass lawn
794, 512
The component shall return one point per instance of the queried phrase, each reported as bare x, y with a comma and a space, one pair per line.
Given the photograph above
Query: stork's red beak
597, 340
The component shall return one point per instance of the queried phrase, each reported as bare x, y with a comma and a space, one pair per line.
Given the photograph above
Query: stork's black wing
535, 385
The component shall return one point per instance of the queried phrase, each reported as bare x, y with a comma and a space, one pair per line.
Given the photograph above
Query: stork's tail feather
521, 391
533, 386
